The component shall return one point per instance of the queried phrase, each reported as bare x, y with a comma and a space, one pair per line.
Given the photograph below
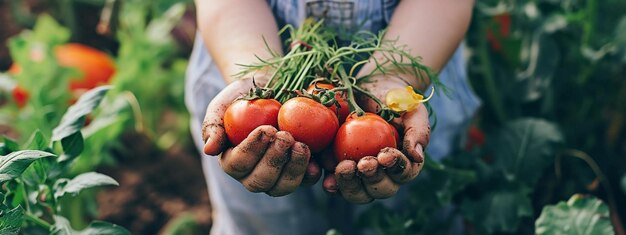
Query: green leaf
74, 119
11, 220
62, 227
73, 145
101, 227
12, 165
333, 232
10, 145
580, 215
159, 29
80, 182
524, 148
37, 141
499, 211
49, 30
541, 57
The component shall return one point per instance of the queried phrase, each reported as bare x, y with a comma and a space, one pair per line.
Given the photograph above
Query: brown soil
155, 188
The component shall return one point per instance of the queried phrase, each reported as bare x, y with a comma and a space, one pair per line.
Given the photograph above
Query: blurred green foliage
551, 77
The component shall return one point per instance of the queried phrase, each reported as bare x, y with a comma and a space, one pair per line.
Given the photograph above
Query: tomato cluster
351, 136
95, 66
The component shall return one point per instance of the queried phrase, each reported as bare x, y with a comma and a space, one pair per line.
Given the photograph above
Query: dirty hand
379, 177
268, 160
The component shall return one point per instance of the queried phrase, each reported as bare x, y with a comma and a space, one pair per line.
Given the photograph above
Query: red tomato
20, 96
476, 138
243, 116
308, 122
344, 108
96, 67
363, 136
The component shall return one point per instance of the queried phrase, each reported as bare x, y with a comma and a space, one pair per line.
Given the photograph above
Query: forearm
431, 29
233, 32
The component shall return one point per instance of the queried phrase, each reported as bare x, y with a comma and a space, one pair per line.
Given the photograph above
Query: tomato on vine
341, 109
243, 116
308, 122
362, 136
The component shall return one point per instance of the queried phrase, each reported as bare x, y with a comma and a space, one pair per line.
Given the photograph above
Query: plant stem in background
36, 220
615, 218
492, 90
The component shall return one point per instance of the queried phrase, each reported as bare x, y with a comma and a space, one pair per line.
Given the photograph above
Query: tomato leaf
73, 145
580, 215
49, 30
524, 147
62, 227
12, 165
37, 141
11, 220
80, 182
500, 211
74, 119
10, 145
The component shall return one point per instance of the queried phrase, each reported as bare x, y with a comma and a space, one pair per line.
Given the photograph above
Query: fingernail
419, 148
332, 188
385, 162
420, 152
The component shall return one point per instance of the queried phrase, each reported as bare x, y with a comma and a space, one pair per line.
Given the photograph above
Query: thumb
213, 132
416, 133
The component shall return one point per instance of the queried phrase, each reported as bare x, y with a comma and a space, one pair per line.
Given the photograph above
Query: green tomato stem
349, 85
36, 220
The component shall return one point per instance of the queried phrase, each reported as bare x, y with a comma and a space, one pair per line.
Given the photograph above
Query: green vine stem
615, 218
345, 79
488, 78
36, 220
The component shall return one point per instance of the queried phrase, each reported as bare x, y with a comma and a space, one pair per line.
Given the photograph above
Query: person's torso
352, 15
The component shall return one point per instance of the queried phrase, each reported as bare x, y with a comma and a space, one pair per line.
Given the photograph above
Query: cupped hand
379, 177
268, 160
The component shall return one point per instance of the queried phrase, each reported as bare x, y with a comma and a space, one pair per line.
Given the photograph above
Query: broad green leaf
11, 220
580, 215
498, 212
37, 173
62, 227
10, 145
37, 141
80, 182
333, 232
74, 119
524, 148
101, 227
12, 165
49, 30
73, 145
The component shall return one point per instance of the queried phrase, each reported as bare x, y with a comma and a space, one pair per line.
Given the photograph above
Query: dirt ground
155, 189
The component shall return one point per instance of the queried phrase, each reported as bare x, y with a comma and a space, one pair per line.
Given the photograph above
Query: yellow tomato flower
405, 99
